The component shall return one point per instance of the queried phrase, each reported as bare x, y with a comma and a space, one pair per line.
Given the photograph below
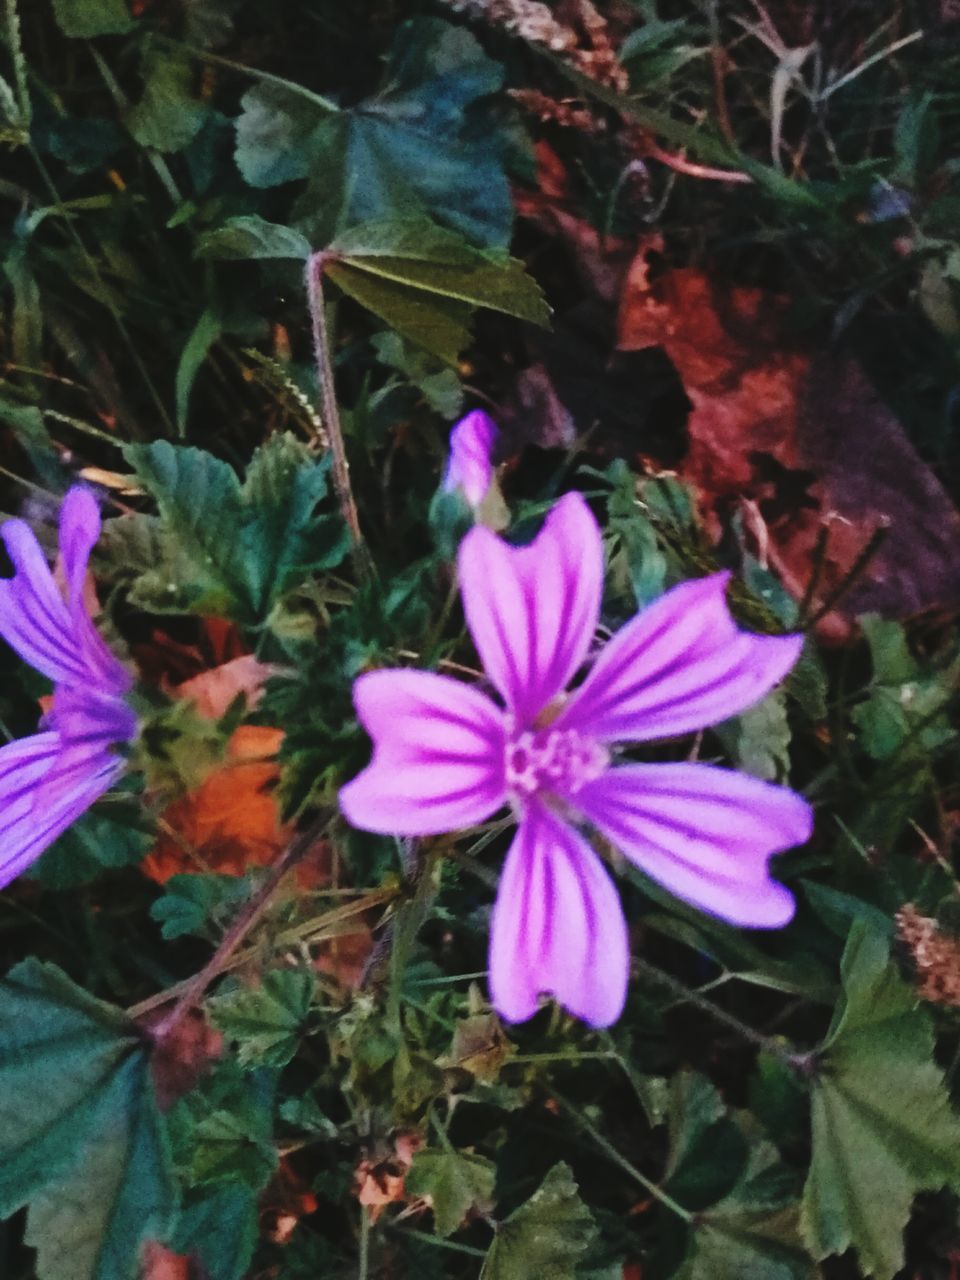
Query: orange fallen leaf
212, 692
159, 1263
231, 822
381, 1182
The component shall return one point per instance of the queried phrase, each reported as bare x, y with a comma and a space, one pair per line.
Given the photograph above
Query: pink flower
447, 756
48, 780
469, 467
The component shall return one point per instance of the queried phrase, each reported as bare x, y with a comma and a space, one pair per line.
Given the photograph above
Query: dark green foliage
81, 1141
772, 1105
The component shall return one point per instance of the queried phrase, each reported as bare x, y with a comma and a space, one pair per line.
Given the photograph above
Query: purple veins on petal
437, 759
79, 531
56, 635
704, 833
470, 464
533, 610
49, 780
29, 821
680, 665
557, 926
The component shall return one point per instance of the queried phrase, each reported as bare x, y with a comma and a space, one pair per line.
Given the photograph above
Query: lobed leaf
81, 1140
883, 1126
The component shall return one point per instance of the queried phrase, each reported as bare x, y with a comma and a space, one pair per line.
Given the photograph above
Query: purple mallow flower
48, 780
469, 466
447, 756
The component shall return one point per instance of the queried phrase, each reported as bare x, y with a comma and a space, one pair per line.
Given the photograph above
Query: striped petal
438, 748
558, 927
533, 610
680, 665
27, 825
704, 833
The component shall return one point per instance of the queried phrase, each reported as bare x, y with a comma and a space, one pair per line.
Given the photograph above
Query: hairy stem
297, 849
796, 1061
330, 412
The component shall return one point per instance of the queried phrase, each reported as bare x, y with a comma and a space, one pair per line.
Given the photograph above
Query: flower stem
796, 1061
247, 918
613, 1154
330, 412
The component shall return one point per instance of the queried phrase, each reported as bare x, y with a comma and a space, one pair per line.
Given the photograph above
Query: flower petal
79, 531
27, 825
682, 664
438, 748
557, 926
469, 466
532, 610
704, 833
33, 617
88, 724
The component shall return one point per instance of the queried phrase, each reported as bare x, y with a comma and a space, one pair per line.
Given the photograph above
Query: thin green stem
409, 919
468, 1249
363, 1263
330, 412
613, 1154
265, 77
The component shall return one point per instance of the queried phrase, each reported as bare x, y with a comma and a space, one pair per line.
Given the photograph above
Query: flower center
558, 760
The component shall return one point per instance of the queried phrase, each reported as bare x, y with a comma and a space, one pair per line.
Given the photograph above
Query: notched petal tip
437, 760
558, 928
706, 834
680, 665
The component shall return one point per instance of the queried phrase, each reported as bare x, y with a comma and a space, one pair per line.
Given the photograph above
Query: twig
330, 412
680, 164
297, 849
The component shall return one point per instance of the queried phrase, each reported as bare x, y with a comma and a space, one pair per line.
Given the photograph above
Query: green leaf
759, 738
416, 146
707, 1151
222, 1229
225, 1150
454, 1182
92, 17
883, 1128
266, 1022
81, 1140
423, 281
26, 421
645, 563
286, 540
440, 386
546, 1237
201, 506
205, 333
438, 325
103, 840
903, 697
274, 131
251, 236
191, 903
169, 115
420, 255
752, 1233
223, 548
